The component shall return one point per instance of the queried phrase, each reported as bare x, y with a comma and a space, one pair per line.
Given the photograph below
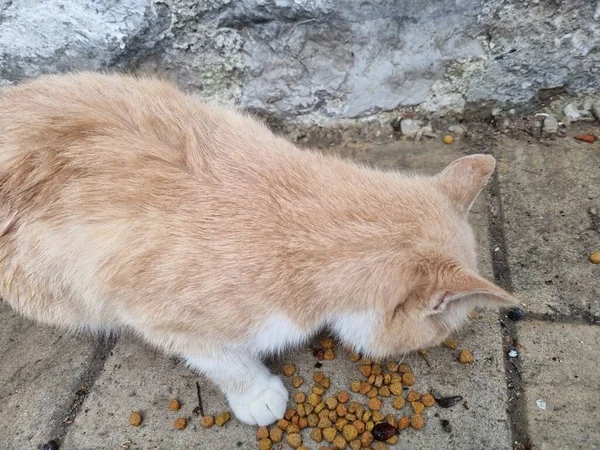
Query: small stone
496, 111
180, 423
174, 405
265, 444
594, 258
297, 381
541, 404
289, 370
135, 419
450, 343
410, 127
50, 445
207, 421
294, 440
515, 314
446, 425
276, 435
458, 130
596, 110
222, 419
512, 353
588, 102
466, 356
448, 402
571, 112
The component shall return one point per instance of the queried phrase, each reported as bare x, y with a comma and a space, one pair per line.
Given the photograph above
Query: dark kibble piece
446, 426
448, 402
515, 314
318, 365
50, 445
383, 431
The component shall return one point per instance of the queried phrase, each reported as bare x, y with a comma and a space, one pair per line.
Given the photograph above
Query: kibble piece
276, 435
314, 399
367, 416
393, 440
207, 421
365, 370
329, 434
331, 403
303, 423
332, 416
412, 396
378, 446
324, 423
396, 388
376, 369
349, 432
302, 447
403, 423
297, 381
300, 410
418, 407
391, 366
351, 417
366, 439
289, 370
316, 435
340, 424
387, 379
327, 342
308, 408
294, 440
359, 425
404, 368
375, 404
341, 410
398, 403
371, 379
370, 425
318, 389
377, 416
262, 432
384, 391
417, 421
320, 407
594, 258
372, 392
396, 378
427, 400
354, 357
326, 382
339, 442
378, 381
365, 387
174, 405
318, 376
450, 343
300, 397
408, 379
295, 420
474, 314
135, 419
222, 419
312, 420
355, 444
180, 423
367, 361
265, 444
329, 355
283, 424
324, 413
465, 356
355, 386
343, 397
289, 413
293, 429
391, 420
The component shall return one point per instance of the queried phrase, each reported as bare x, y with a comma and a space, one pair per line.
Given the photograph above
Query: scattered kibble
428, 400
448, 139
262, 432
594, 258
403, 423
418, 407
354, 357
265, 444
174, 405
297, 381
207, 421
339, 442
343, 397
398, 403
366, 439
316, 435
396, 388
180, 423
450, 343
329, 355
289, 370
135, 419
300, 397
294, 440
413, 396
375, 404
417, 421
222, 419
327, 343
329, 434
408, 379
465, 356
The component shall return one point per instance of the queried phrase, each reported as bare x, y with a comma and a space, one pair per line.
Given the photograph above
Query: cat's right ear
465, 178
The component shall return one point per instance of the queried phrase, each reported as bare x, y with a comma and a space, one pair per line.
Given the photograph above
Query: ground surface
536, 225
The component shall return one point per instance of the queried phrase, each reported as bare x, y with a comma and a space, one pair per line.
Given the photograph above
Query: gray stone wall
318, 60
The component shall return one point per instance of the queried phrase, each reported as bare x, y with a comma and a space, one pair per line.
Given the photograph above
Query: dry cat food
174, 405
180, 423
465, 356
135, 419
594, 258
207, 421
222, 419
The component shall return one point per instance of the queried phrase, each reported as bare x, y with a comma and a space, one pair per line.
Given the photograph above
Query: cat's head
436, 286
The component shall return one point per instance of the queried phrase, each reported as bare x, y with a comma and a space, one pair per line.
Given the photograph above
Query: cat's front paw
264, 403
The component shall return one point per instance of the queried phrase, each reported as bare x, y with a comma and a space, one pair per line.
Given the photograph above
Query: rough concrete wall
318, 60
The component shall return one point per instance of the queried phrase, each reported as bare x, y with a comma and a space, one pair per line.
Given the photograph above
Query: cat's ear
464, 179
470, 290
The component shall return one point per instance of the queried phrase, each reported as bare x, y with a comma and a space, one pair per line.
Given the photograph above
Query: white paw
264, 404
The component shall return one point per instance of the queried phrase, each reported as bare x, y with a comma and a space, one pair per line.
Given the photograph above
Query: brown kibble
308, 408
427, 400
391, 420
371, 379
283, 424
387, 379
351, 417
312, 420
354, 357
359, 425
326, 382
396, 378
378, 381
353, 406
314, 399
135, 419
377, 416
327, 343
276, 435
318, 376
302, 447
366, 439
378, 446
295, 420
340, 424
376, 369
289, 413
343, 397
474, 314
417, 421
289, 370
465, 356
370, 425
367, 361
265, 444
324, 413
372, 392
418, 407
297, 381
300, 410
448, 139
339, 442
329, 434
396, 388
293, 429
392, 366
404, 368
303, 423
355, 444
222, 419
384, 391
413, 396
207, 421
320, 407
366, 416
408, 379
355, 386
331, 403
262, 432
300, 397
174, 405
316, 435
341, 410
393, 440
594, 258
180, 423
403, 423
366, 370
398, 403
450, 343
375, 404
329, 355
318, 389
365, 387
294, 440
324, 423
332, 416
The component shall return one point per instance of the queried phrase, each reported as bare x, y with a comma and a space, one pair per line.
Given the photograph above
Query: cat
126, 204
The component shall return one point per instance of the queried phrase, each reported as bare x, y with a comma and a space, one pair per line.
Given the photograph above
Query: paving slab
549, 193
136, 377
42, 369
560, 368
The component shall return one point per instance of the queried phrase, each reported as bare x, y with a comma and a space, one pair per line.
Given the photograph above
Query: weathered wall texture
318, 60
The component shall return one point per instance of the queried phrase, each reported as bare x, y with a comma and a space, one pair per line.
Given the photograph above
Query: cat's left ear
470, 290
465, 178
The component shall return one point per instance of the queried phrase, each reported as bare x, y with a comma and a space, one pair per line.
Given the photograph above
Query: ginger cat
127, 204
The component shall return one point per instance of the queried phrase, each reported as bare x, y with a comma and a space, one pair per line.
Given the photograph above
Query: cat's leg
256, 396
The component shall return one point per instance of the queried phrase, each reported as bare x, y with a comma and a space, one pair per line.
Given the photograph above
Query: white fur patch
277, 333
356, 329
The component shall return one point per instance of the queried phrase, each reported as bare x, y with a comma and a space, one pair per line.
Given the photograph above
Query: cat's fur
126, 204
